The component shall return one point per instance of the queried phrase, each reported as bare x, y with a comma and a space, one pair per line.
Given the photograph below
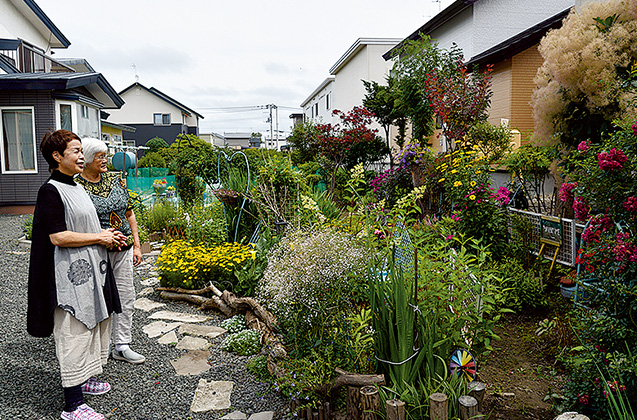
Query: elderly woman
114, 208
71, 290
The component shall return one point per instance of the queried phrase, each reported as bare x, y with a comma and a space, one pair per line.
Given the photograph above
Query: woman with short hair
115, 210
71, 290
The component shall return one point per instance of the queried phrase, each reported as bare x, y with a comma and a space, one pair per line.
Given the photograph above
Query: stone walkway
186, 331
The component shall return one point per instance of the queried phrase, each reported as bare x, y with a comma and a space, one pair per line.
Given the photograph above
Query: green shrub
155, 144
27, 227
520, 288
159, 215
258, 366
245, 342
207, 224
152, 160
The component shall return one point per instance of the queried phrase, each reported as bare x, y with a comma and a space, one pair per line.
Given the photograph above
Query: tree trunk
395, 409
370, 402
353, 401
439, 406
468, 407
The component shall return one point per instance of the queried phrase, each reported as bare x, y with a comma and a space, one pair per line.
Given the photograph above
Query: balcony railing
28, 59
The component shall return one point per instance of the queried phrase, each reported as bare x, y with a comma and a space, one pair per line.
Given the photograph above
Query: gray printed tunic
80, 272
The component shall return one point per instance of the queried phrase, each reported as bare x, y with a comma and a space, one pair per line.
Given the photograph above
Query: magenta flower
631, 204
612, 160
583, 146
566, 191
581, 209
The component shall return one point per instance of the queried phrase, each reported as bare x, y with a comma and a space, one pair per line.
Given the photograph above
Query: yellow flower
441, 180
478, 172
457, 183
473, 183
472, 197
454, 171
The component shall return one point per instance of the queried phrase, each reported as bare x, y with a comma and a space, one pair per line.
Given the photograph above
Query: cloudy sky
213, 55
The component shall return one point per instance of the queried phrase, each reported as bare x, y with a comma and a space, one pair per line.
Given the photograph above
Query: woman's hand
137, 255
112, 238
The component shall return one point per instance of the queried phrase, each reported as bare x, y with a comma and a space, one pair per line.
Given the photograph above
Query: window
327, 101
84, 110
161, 119
18, 140
316, 106
66, 117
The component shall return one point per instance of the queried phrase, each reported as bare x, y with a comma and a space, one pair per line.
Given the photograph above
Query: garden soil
522, 373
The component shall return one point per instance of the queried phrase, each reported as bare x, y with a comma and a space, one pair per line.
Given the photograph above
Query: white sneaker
128, 355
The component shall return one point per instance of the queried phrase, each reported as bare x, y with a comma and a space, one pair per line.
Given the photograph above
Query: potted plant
170, 191
160, 185
226, 196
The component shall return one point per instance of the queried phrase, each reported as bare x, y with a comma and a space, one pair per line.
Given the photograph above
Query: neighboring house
154, 114
214, 139
241, 141
343, 89
113, 133
39, 94
506, 34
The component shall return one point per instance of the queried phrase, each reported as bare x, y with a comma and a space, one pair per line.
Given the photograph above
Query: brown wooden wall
501, 88
525, 65
23, 189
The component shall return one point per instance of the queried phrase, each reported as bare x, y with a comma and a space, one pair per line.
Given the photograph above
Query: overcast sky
211, 54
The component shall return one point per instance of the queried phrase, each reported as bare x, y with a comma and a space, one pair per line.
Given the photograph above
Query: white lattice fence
570, 230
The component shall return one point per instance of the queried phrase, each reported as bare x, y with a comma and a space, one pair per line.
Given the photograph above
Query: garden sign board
551, 230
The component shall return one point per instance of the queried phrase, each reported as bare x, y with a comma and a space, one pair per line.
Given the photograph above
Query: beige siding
501, 87
525, 65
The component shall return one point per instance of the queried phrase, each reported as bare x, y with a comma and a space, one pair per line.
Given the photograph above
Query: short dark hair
56, 141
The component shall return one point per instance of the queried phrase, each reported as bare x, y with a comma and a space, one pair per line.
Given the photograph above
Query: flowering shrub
234, 324
391, 184
312, 279
190, 266
471, 201
605, 187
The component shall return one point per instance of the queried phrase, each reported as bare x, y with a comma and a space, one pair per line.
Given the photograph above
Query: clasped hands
112, 239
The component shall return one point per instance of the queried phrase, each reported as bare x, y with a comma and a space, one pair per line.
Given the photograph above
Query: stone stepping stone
147, 305
178, 316
201, 330
264, 415
194, 362
213, 395
157, 328
193, 343
146, 291
170, 338
235, 415
152, 281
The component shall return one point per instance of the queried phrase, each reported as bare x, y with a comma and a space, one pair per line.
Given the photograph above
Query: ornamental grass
191, 266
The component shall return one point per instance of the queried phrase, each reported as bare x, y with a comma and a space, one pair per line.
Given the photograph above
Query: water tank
123, 161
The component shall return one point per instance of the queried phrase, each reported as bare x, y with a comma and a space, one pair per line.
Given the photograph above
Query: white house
343, 89
154, 114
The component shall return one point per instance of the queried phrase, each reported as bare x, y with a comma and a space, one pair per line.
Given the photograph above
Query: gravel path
29, 374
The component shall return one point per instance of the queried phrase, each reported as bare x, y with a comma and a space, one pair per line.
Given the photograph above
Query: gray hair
92, 147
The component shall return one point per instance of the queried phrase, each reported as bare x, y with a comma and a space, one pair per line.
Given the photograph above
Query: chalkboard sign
551, 230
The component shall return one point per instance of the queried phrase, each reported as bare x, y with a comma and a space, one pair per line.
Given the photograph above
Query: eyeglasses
102, 158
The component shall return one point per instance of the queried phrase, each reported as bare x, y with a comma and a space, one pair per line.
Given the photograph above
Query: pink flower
612, 160
631, 204
635, 128
566, 191
583, 146
583, 399
503, 195
581, 209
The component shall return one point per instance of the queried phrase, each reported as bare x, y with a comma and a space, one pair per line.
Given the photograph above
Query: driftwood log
257, 317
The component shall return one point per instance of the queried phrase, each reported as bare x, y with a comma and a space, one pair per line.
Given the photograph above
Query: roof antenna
135, 70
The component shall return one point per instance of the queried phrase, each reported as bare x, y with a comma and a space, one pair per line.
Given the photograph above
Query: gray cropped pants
122, 264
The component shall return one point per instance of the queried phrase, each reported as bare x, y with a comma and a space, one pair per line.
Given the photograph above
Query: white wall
498, 20
140, 106
324, 114
14, 25
459, 29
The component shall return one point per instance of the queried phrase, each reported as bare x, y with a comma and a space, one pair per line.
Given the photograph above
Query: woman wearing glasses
114, 208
